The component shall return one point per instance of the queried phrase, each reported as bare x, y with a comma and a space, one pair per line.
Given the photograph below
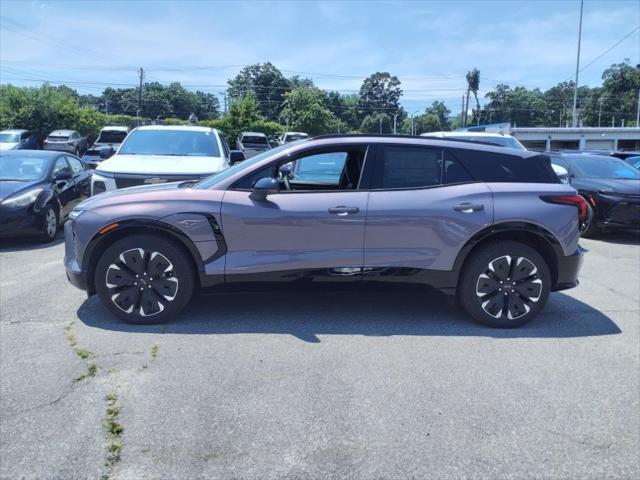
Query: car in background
633, 161
66, 141
609, 185
493, 226
105, 145
160, 154
252, 143
498, 139
17, 139
292, 137
38, 189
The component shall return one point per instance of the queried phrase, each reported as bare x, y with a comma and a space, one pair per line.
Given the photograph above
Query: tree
380, 93
305, 110
267, 84
441, 113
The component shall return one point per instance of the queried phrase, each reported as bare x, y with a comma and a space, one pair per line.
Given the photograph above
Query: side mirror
235, 156
63, 176
285, 169
106, 152
265, 187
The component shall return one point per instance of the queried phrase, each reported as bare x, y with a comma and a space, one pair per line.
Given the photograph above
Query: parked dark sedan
38, 189
610, 186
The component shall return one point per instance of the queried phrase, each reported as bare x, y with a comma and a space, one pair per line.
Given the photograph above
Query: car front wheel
505, 284
144, 279
48, 224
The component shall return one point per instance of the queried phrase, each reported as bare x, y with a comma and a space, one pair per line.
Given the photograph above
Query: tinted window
254, 139
323, 168
111, 136
454, 172
409, 167
76, 165
60, 166
171, 142
497, 167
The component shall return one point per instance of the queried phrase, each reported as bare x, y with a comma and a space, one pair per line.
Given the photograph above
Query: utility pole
395, 115
141, 73
224, 98
638, 111
575, 87
462, 113
599, 111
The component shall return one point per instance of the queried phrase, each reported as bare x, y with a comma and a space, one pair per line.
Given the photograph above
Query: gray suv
490, 226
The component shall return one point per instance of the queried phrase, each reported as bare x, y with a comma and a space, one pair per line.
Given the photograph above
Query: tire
126, 268
49, 224
523, 273
591, 228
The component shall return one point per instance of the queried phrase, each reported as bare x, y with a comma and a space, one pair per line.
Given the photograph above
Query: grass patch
83, 354
92, 369
154, 351
114, 434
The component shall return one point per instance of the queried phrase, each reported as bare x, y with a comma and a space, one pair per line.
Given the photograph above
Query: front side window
183, 143
76, 165
323, 168
61, 165
408, 167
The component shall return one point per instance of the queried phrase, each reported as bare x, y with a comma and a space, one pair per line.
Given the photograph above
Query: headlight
75, 214
23, 199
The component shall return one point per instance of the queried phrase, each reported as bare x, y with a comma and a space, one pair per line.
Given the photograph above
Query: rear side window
497, 167
409, 167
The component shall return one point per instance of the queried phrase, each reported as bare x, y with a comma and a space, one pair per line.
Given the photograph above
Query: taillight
577, 200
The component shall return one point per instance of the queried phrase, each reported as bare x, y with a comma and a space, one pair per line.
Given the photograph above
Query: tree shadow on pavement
307, 315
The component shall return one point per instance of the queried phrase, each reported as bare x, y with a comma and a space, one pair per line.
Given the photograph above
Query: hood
8, 187
630, 186
162, 165
8, 146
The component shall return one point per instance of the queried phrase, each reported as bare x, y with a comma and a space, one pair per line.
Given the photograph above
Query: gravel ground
323, 385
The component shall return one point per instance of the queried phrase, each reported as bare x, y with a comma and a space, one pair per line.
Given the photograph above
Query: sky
429, 45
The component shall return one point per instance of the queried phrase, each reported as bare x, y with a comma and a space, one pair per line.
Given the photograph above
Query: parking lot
326, 385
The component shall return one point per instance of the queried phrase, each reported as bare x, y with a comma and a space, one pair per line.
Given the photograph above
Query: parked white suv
159, 154
499, 139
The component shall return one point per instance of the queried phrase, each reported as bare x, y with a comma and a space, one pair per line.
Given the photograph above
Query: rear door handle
469, 207
343, 210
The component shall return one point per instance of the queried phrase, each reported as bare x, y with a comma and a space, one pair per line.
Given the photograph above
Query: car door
64, 187
81, 180
422, 209
297, 233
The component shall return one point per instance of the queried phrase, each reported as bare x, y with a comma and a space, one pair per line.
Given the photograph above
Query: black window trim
293, 156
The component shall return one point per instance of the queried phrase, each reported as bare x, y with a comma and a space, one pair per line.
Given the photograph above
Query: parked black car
38, 189
610, 186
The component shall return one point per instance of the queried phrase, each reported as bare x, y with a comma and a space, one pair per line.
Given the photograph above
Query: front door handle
468, 207
343, 210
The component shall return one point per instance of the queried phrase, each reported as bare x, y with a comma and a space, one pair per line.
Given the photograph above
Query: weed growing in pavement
114, 434
154, 351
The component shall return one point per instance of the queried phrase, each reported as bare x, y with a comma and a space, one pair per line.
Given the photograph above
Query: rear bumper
568, 270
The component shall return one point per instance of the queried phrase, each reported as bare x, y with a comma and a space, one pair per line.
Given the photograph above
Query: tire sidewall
44, 235
592, 229
174, 253
478, 263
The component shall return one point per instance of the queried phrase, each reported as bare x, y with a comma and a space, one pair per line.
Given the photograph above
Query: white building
583, 138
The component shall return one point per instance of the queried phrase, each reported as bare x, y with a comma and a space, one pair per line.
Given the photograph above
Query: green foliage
380, 92
305, 110
173, 121
266, 83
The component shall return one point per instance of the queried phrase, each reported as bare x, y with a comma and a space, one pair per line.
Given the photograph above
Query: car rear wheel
48, 224
505, 284
144, 279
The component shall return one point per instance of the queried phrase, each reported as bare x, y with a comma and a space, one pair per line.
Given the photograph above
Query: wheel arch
529, 234
100, 242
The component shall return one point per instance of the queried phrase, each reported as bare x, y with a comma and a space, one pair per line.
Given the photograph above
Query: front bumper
19, 221
568, 270
75, 274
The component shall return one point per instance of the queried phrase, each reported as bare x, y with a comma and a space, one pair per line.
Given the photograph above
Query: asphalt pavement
319, 386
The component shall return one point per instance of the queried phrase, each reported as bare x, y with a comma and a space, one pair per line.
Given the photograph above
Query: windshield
23, 169
111, 136
224, 174
187, 143
9, 137
255, 140
587, 166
